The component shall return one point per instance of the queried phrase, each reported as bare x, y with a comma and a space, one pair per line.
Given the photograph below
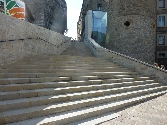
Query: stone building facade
161, 42
131, 28
51, 14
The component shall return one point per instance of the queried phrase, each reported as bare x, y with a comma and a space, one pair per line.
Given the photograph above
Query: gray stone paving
153, 112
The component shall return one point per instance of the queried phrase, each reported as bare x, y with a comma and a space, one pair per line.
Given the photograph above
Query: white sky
73, 12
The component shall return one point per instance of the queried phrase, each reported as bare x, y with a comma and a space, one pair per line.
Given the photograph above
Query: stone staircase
66, 89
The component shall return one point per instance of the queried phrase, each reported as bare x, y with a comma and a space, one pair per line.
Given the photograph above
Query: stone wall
19, 39
132, 28
93, 5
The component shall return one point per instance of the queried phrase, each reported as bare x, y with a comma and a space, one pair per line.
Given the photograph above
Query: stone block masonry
19, 39
132, 28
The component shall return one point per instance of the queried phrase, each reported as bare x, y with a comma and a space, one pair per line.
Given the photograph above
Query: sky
73, 12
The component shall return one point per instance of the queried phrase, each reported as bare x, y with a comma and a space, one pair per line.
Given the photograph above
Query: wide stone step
33, 86
96, 62
57, 65
105, 117
66, 61
67, 69
52, 77
55, 91
65, 64
76, 59
43, 100
63, 73
48, 100
61, 58
7, 81
94, 77
97, 120
98, 107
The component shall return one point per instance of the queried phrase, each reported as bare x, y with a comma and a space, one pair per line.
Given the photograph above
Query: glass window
161, 40
161, 3
162, 55
99, 25
99, 6
161, 21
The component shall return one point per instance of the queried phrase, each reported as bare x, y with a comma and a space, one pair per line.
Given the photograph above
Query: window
162, 20
162, 54
1, 3
161, 4
161, 40
99, 7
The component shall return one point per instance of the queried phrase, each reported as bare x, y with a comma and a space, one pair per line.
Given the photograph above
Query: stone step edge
84, 86
77, 72
51, 70
7, 81
84, 113
45, 92
45, 100
36, 62
97, 119
67, 74
65, 66
70, 97
31, 64
33, 86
